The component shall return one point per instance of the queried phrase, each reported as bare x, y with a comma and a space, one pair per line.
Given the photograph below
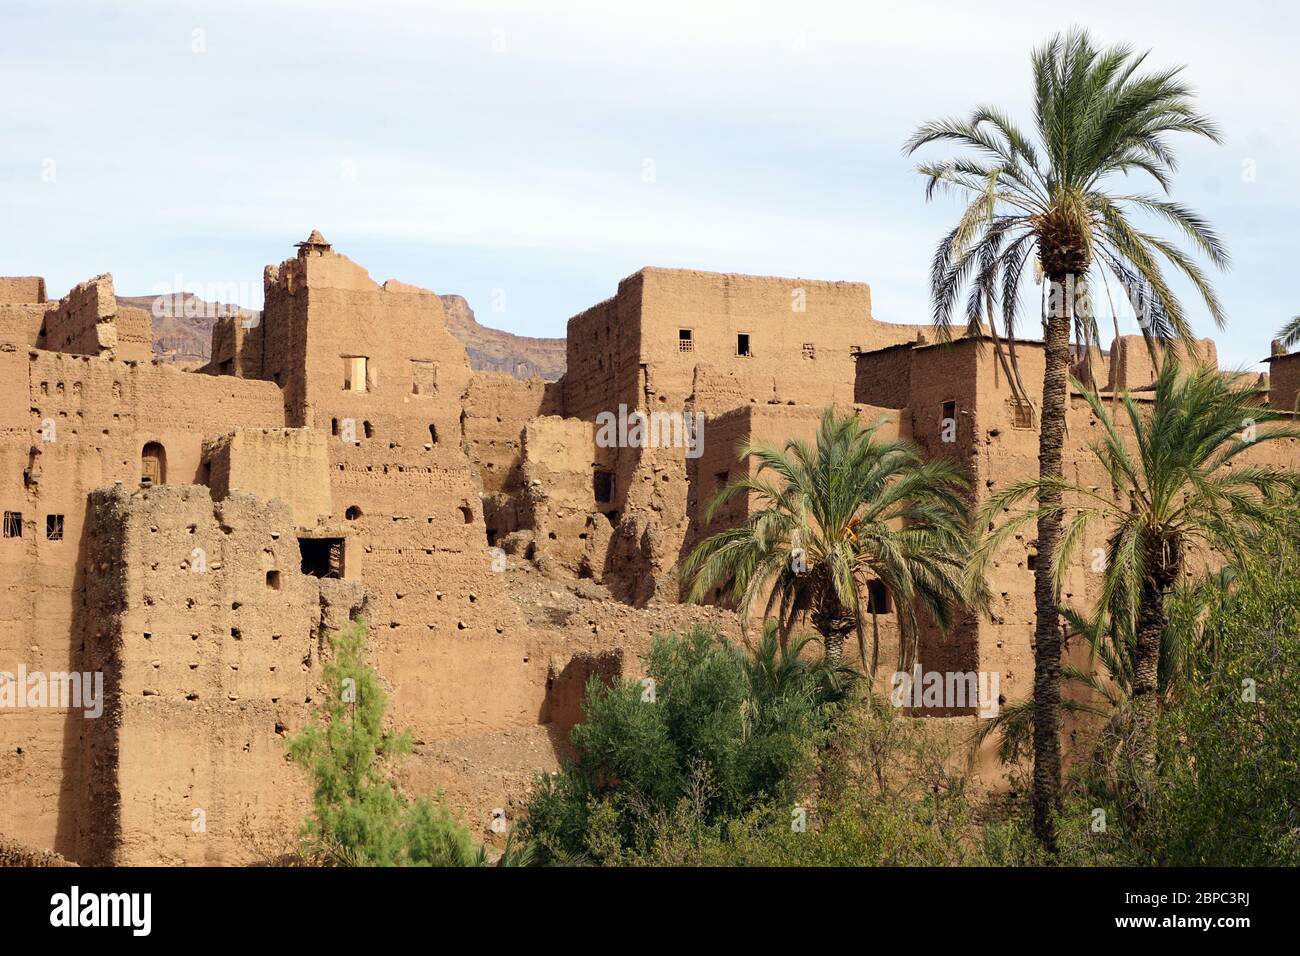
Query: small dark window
334, 426
685, 340
54, 527
467, 513
1031, 562
950, 410
322, 557
742, 343
353, 513
273, 580
877, 598
603, 486
723, 477
13, 524
433, 434
370, 432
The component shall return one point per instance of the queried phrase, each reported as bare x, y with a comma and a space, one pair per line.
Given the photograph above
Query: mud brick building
194, 535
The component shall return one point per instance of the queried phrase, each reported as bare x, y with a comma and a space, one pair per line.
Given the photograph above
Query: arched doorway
153, 464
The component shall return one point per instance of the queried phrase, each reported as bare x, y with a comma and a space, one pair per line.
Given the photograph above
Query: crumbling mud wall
210, 639
89, 321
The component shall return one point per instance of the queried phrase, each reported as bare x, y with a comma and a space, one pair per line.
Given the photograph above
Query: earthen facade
194, 535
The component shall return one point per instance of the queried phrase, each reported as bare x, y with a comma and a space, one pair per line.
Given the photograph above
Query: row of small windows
744, 345
14, 526
368, 430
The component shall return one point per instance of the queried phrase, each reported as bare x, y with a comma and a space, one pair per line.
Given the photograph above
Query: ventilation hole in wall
194, 637
334, 426
368, 429
1031, 562
353, 513
273, 580
148, 634
551, 535
236, 634
236, 605
460, 625
467, 513
275, 637
191, 696
433, 433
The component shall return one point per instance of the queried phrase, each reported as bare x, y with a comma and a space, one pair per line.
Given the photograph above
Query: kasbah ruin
194, 534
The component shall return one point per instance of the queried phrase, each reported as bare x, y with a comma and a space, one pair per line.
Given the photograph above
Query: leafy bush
1229, 792
716, 735
891, 794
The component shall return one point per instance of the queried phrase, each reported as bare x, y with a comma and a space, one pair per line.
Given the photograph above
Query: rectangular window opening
54, 527
603, 486
742, 344
13, 524
322, 557
355, 372
877, 598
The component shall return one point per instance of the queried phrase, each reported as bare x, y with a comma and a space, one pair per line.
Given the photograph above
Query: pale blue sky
472, 147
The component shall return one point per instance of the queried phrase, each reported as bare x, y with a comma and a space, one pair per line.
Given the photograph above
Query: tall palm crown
829, 518
1175, 487
1057, 201
1054, 201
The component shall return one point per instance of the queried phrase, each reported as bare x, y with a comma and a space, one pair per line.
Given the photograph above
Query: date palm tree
1058, 204
828, 518
1176, 487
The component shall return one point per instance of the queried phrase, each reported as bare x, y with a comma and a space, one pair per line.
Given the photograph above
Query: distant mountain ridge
182, 333
493, 350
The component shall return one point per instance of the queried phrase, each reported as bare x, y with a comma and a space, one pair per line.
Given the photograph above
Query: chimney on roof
313, 245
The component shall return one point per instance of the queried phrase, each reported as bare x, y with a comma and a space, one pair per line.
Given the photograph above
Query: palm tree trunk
833, 621
1162, 569
1047, 631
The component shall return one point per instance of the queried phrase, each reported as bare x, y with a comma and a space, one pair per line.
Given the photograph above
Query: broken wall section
88, 321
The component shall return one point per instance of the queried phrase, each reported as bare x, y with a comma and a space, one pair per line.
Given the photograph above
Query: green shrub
716, 735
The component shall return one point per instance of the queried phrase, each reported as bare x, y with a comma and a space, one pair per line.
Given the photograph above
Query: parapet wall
21, 290
289, 464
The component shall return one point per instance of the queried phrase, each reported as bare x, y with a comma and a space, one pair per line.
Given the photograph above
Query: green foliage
1230, 777
359, 816
718, 733
1060, 198
829, 518
889, 796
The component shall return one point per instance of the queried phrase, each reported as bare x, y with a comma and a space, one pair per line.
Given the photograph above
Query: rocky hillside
182, 333
182, 325
497, 351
